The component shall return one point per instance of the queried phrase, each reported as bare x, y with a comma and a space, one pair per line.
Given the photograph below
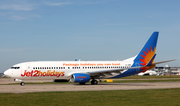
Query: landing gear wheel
94, 82
22, 83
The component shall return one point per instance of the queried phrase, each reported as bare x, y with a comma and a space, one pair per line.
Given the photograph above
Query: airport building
163, 71
1, 74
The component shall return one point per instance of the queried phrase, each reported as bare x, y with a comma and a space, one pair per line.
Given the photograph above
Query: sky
92, 30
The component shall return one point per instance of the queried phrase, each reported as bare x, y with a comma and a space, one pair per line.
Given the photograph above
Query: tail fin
147, 54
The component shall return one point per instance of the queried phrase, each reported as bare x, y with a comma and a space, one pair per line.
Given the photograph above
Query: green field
160, 97
156, 97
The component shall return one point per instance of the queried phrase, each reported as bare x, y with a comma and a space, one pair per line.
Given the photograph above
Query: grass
160, 97
155, 97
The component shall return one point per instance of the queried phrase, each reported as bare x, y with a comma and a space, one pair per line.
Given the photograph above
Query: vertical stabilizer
147, 54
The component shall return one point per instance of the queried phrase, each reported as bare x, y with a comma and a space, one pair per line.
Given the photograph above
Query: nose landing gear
19, 80
22, 83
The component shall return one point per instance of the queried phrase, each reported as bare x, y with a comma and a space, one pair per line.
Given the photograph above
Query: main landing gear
94, 82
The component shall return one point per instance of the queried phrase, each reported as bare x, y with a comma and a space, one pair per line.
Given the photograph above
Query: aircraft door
28, 67
28, 70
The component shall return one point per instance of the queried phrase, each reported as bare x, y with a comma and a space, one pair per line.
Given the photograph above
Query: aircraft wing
119, 71
110, 71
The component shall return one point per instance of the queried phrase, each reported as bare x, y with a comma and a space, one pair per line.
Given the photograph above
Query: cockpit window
15, 67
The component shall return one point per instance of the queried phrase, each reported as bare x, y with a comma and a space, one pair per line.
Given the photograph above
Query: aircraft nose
7, 73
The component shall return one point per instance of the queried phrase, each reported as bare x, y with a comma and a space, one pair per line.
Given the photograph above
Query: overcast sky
60, 30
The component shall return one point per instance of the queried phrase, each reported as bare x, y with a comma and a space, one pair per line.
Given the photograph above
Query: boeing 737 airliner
84, 71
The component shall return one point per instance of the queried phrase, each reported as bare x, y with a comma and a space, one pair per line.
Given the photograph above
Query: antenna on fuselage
77, 60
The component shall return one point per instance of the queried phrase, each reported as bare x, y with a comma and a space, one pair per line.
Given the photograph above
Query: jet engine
82, 78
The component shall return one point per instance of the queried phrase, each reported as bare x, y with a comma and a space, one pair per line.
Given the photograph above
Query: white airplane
148, 72
84, 71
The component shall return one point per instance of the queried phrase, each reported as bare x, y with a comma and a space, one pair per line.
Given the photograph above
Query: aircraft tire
22, 83
94, 82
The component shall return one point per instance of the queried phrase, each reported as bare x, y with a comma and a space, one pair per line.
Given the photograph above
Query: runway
87, 87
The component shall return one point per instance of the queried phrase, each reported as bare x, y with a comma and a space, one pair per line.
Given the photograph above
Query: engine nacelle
80, 77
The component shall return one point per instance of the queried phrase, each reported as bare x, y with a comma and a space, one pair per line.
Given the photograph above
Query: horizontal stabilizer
163, 62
